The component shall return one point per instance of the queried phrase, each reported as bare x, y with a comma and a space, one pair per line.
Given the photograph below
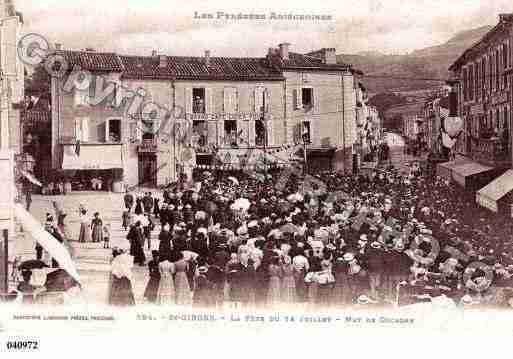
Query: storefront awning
92, 157
489, 195
445, 169
462, 172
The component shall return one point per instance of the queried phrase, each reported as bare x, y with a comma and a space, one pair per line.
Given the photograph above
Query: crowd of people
249, 242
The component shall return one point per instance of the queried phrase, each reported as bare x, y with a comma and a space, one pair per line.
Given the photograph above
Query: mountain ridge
386, 71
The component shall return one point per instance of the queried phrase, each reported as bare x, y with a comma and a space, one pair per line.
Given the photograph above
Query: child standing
106, 236
126, 220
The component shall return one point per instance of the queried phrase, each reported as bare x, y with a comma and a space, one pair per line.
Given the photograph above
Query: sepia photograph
265, 167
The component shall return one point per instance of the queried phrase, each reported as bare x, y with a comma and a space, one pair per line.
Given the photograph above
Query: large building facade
484, 74
167, 114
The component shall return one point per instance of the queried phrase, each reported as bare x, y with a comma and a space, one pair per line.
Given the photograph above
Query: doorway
147, 170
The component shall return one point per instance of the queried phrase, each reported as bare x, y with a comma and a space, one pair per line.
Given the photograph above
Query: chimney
154, 53
58, 46
162, 61
284, 50
207, 58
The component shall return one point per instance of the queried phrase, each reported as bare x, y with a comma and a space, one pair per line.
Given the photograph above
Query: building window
82, 129
307, 131
260, 133
230, 133
497, 76
230, 100
198, 102
490, 73
465, 85
307, 97
483, 75
471, 83
81, 97
199, 133
113, 130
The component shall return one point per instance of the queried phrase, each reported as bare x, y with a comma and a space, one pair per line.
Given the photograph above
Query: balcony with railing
148, 145
491, 152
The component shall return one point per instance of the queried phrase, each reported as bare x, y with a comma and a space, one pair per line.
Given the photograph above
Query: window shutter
119, 94
316, 103
78, 129
226, 100
270, 123
297, 99
258, 99
209, 108
188, 100
103, 131
313, 132
250, 124
212, 132
81, 97
85, 129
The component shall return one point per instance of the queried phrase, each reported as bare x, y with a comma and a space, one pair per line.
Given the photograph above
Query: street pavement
398, 158
91, 259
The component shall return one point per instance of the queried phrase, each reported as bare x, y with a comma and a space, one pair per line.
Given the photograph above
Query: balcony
491, 152
148, 146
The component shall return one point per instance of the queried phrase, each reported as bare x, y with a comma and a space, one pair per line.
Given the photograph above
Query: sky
170, 26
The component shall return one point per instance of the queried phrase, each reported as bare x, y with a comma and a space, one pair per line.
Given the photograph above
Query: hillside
430, 62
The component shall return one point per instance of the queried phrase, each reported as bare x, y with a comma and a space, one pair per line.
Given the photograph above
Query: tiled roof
195, 68
92, 61
181, 67
301, 61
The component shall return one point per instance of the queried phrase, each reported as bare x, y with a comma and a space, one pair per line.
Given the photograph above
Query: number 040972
22, 345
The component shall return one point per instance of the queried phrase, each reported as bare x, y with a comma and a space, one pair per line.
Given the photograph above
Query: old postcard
281, 169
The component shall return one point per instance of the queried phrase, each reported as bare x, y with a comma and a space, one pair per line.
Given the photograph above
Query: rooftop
505, 22
193, 68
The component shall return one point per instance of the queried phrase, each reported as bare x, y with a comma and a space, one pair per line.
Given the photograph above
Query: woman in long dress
121, 292
85, 227
288, 282
152, 288
166, 292
138, 206
274, 291
97, 228
183, 290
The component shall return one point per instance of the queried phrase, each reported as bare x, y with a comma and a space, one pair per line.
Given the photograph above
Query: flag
77, 148
51, 245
